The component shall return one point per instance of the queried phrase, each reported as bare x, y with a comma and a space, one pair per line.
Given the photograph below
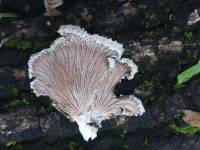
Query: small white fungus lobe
140, 106
193, 18
132, 65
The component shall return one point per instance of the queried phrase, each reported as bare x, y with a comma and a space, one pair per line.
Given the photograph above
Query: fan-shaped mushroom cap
79, 72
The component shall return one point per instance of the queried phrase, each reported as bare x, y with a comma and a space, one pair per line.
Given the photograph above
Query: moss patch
19, 44
14, 91
17, 102
187, 130
73, 146
124, 132
125, 147
11, 143
188, 35
146, 86
146, 141
46, 110
26, 45
176, 29
150, 34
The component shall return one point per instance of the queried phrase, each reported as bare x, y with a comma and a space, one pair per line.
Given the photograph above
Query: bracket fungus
79, 72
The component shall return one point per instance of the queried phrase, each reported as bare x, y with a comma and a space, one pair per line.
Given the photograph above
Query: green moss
188, 35
7, 15
17, 102
125, 147
42, 110
19, 44
151, 99
150, 34
11, 143
26, 45
179, 116
146, 141
46, 110
10, 43
124, 132
176, 29
146, 85
73, 146
40, 45
178, 86
187, 130
14, 91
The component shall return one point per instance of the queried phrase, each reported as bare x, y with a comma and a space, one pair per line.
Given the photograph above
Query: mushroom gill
79, 72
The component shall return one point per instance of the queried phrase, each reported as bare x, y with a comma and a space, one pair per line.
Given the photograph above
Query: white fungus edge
64, 30
139, 105
112, 62
141, 109
35, 56
132, 65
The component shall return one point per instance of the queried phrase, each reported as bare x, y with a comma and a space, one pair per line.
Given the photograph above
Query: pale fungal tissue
51, 5
79, 72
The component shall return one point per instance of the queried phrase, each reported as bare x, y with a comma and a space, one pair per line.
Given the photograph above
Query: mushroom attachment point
79, 72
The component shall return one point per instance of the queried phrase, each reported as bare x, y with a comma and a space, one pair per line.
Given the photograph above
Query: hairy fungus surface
79, 72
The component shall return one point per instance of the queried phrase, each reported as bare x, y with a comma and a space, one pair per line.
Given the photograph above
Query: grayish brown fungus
79, 72
51, 5
193, 18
